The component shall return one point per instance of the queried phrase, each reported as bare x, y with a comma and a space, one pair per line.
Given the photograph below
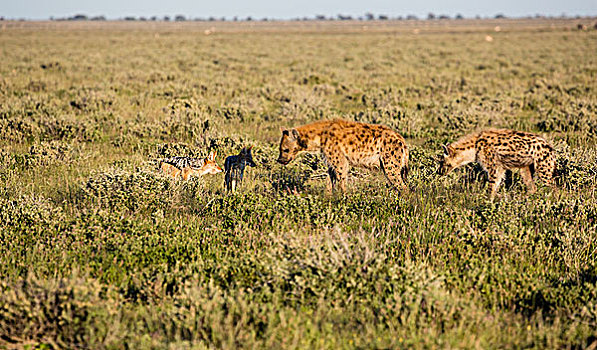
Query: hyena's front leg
496, 176
332, 179
544, 171
392, 166
338, 170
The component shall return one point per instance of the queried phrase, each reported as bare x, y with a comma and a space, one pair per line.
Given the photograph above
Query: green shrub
133, 190
61, 313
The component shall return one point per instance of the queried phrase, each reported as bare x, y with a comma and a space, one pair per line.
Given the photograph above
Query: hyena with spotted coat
347, 143
498, 150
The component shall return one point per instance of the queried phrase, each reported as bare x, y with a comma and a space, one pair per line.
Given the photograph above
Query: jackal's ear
250, 148
447, 150
212, 155
284, 130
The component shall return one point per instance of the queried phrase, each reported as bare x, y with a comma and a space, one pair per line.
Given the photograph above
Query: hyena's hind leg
495, 176
527, 178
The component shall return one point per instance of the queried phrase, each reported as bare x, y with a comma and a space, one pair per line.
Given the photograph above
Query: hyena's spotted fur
347, 143
498, 150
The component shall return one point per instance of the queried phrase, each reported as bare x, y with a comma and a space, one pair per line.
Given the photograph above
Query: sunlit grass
100, 250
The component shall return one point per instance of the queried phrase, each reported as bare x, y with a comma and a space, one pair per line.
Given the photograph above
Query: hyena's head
209, 165
290, 145
448, 160
246, 156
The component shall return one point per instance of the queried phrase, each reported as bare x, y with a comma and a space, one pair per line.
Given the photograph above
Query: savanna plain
100, 250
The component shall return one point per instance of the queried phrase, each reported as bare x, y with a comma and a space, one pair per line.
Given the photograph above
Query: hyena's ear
297, 137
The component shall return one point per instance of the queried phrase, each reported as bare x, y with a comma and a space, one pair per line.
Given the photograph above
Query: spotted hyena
501, 150
347, 143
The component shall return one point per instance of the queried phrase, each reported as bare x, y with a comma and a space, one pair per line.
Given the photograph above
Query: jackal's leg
527, 178
186, 173
495, 176
227, 183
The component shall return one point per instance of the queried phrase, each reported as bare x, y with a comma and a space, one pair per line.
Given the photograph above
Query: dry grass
99, 250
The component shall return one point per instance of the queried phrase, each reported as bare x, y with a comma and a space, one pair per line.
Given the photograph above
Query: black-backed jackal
186, 167
234, 167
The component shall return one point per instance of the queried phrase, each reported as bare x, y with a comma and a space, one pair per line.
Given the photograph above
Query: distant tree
166, 18
211, 18
369, 16
235, 18
98, 18
153, 18
383, 17
444, 17
500, 15
223, 19
180, 18
142, 18
430, 16
78, 17
320, 17
249, 19
344, 18
264, 19
130, 18
412, 17
459, 16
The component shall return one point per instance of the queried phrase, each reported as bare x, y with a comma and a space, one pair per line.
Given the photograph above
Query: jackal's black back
185, 162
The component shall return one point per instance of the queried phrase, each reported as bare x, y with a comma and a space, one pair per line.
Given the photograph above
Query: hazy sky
43, 9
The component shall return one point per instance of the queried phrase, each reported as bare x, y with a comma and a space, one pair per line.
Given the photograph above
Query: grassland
101, 251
